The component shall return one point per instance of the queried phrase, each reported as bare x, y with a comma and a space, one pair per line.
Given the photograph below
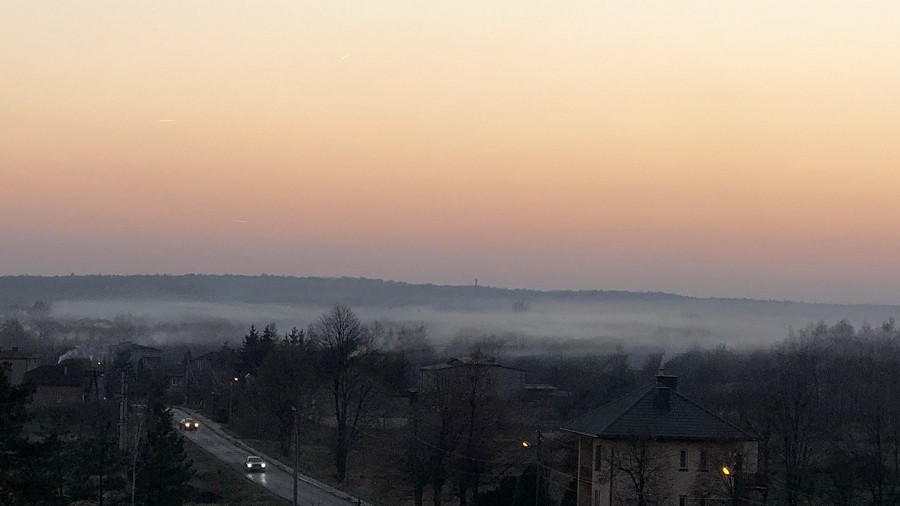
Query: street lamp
231, 396
728, 478
537, 464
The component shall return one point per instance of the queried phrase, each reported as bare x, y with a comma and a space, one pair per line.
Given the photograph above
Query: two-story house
14, 364
657, 447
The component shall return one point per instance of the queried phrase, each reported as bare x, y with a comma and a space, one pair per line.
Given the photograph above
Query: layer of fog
545, 327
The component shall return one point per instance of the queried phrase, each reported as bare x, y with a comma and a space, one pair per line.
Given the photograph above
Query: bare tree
642, 466
347, 363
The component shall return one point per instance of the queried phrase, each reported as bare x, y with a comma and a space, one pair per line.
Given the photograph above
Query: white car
255, 464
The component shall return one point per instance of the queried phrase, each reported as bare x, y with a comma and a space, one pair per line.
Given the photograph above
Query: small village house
657, 447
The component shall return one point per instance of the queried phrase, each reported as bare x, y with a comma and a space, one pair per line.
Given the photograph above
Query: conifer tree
164, 469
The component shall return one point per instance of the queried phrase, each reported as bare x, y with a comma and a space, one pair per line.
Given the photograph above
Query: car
189, 424
255, 464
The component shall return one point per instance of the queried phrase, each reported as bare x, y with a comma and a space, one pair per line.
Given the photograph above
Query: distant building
56, 385
502, 381
14, 364
140, 357
225, 361
655, 446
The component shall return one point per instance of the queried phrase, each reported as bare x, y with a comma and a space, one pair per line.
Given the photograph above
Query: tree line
70, 455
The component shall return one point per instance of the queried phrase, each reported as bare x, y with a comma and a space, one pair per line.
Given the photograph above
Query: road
277, 478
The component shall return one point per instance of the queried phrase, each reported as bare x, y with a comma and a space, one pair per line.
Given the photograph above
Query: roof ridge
630, 407
617, 399
697, 404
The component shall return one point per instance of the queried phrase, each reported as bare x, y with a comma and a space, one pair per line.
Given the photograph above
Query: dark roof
218, 355
133, 347
55, 375
462, 362
15, 354
644, 413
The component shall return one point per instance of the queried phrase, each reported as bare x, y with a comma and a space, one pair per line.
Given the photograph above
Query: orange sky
747, 149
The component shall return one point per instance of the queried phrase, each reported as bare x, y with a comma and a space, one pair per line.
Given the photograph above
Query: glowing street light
231, 396
525, 444
726, 471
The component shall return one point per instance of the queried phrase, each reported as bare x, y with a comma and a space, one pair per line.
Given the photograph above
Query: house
57, 384
657, 447
14, 364
222, 361
501, 381
140, 357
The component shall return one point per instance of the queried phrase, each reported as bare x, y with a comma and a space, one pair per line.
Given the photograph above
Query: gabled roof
55, 375
647, 413
128, 346
467, 362
15, 354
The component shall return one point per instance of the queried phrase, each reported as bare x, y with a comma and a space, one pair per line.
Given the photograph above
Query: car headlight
196, 425
249, 464
263, 464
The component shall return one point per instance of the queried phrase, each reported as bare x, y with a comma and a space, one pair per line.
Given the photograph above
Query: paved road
277, 478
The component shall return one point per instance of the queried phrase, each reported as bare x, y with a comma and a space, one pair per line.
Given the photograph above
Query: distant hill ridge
268, 289
282, 289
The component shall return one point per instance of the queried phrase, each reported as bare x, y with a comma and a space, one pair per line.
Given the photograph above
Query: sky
708, 148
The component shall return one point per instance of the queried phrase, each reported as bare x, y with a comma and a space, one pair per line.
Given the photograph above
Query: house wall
47, 396
15, 368
666, 479
145, 360
502, 382
585, 471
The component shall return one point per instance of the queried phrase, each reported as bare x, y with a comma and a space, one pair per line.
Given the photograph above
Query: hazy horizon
709, 149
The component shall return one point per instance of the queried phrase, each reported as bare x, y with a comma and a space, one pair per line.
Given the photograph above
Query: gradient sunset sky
710, 148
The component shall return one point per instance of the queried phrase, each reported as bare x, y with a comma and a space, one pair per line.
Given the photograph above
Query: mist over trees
820, 402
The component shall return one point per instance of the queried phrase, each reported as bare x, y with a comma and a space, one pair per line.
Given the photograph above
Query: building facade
14, 364
656, 447
499, 381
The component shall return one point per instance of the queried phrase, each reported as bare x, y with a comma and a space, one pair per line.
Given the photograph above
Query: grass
216, 483
372, 475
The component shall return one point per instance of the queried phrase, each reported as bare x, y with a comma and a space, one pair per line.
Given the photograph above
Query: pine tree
256, 347
164, 470
14, 448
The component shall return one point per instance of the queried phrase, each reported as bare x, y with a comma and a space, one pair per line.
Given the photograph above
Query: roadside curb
217, 428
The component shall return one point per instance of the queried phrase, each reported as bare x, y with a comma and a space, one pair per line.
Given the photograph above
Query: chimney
665, 385
664, 380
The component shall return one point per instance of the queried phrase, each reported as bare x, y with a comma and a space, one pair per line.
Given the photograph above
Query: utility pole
296, 432
123, 414
537, 468
134, 457
231, 396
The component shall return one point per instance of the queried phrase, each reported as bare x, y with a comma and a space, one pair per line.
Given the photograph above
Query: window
682, 461
701, 501
596, 498
682, 500
703, 461
598, 459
